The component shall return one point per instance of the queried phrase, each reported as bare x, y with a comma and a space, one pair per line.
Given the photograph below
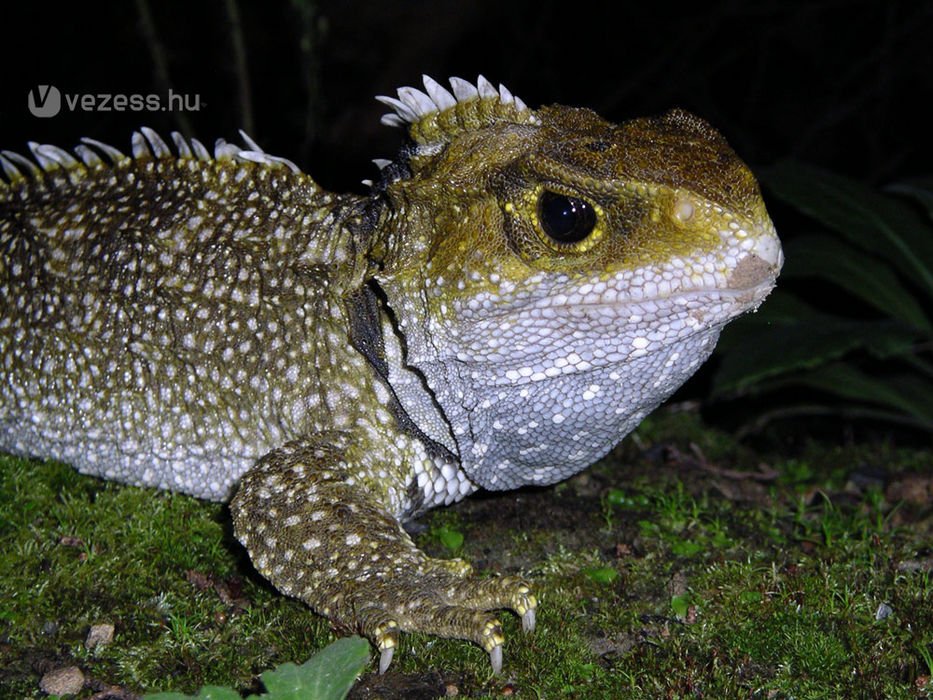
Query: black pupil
565, 219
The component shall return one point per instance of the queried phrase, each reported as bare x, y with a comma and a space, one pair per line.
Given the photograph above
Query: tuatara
517, 290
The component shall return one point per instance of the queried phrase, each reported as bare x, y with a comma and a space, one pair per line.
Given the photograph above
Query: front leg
315, 523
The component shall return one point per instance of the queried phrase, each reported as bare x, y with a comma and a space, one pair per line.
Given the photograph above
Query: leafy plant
328, 675
450, 537
857, 337
603, 575
680, 604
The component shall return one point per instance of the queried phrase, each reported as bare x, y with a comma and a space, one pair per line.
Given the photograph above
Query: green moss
656, 578
77, 551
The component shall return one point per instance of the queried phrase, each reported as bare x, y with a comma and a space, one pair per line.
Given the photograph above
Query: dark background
841, 84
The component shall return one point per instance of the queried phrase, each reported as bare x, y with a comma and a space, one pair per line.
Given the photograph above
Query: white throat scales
537, 394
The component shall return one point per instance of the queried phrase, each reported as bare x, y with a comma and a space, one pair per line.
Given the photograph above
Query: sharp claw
386, 658
495, 658
528, 620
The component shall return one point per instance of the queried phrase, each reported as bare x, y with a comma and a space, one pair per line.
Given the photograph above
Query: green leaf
686, 548
921, 190
862, 275
680, 604
601, 574
810, 342
781, 309
721, 540
621, 499
451, 539
328, 675
875, 222
915, 397
617, 497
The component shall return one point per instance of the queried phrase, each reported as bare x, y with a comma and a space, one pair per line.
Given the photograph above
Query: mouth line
755, 291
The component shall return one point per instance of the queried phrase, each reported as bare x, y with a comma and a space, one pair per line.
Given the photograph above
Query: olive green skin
339, 363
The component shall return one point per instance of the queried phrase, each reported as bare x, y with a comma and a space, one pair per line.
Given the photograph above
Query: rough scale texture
519, 289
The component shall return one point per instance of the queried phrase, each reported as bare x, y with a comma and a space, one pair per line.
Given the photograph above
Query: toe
383, 630
525, 604
528, 620
385, 659
495, 658
491, 640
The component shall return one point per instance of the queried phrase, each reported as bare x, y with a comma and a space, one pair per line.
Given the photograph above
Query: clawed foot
448, 606
319, 534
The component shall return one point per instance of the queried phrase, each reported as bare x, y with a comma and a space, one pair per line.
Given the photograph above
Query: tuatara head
555, 277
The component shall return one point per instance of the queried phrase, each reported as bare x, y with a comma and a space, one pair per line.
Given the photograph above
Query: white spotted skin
175, 348
219, 325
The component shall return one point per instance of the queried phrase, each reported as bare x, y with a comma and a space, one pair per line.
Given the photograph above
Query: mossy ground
678, 567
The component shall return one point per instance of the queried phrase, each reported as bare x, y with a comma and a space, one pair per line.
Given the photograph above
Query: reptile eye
565, 219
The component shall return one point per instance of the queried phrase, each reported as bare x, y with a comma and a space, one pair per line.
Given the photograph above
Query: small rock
63, 681
916, 489
916, 565
198, 579
678, 584
691, 617
99, 635
884, 611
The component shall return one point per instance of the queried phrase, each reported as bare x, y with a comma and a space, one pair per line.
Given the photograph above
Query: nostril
751, 272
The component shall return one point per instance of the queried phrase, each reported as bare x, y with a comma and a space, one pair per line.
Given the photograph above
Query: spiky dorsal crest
434, 116
146, 144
